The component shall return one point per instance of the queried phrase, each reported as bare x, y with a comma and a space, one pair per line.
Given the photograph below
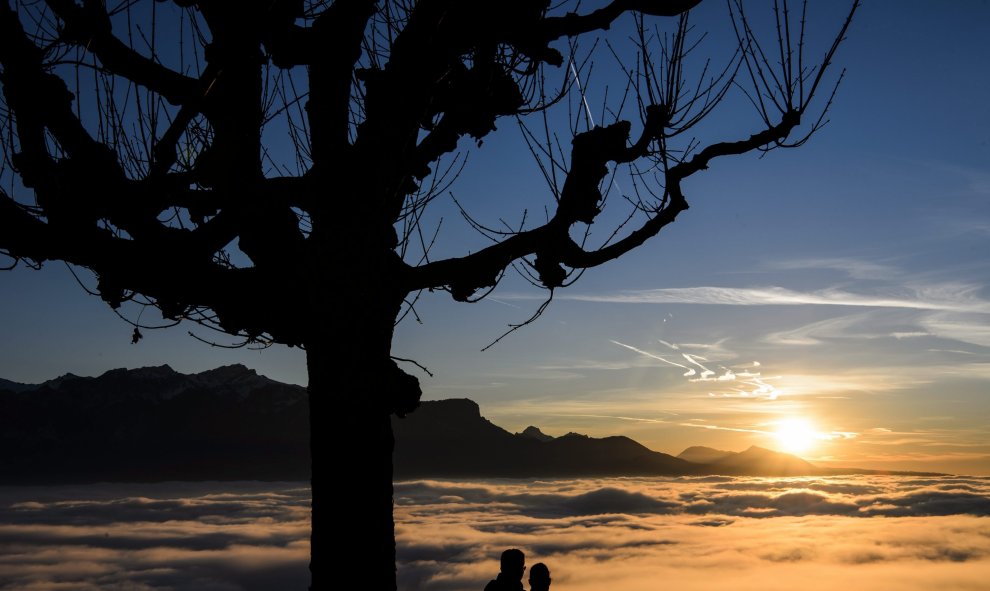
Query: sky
839, 292
857, 533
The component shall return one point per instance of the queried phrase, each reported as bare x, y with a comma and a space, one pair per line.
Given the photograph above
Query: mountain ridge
230, 423
154, 424
451, 438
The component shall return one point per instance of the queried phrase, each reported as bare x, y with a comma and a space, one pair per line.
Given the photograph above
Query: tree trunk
354, 387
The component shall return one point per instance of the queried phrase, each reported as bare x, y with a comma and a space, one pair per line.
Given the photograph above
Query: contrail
652, 356
591, 118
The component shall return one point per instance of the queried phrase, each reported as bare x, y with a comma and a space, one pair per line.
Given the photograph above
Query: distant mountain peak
54, 383
228, 374
574, 435
700, 454
759, 461
153, 372
757, 450
535, 433
453, 411
230, 370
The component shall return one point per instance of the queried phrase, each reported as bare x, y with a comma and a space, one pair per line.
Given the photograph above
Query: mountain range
153, 424
450, 438
229, 423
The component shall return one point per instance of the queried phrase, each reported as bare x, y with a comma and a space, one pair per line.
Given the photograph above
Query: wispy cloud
590, 364
955, 297
812, 334
700, 425
967, 328
946, 297
620, 418
854, 267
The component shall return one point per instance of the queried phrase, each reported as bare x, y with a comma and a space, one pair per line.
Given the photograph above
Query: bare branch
89, 27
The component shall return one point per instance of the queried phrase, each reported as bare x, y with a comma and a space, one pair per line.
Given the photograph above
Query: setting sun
795, 435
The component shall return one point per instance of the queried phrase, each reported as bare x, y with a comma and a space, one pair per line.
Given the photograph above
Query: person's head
539, 577
513, 563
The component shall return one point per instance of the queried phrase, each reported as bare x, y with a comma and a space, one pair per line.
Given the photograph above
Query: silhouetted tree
263, 166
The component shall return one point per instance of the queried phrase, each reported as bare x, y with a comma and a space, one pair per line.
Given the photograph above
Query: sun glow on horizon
796, 435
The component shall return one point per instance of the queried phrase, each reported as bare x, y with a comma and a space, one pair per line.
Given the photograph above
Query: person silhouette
512, 565
539, 577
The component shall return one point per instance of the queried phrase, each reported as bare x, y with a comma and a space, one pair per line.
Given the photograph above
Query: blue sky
843, 284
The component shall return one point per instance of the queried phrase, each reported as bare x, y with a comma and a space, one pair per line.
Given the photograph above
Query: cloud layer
850, 533
174, 536
626, 534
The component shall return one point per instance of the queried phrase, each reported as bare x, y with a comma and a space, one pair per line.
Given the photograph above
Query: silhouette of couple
513, 564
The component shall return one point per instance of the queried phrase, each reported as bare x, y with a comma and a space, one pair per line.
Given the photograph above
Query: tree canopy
263, 167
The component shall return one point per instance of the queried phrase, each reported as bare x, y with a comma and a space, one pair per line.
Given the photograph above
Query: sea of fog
622, 534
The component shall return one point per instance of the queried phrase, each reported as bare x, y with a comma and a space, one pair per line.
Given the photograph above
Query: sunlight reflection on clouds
853, 533
627, 534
